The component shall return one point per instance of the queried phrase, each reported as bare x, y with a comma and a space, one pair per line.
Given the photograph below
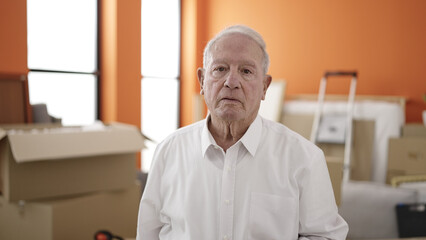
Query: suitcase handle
340, 73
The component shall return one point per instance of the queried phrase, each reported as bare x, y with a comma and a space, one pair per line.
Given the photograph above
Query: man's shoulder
185, 138
188, 131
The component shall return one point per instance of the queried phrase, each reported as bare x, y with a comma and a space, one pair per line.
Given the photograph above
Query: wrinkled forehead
235, 46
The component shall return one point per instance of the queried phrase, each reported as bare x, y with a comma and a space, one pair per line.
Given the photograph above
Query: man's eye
220, 69
246, 71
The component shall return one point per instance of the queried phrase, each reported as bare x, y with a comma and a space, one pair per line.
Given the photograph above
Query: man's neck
227, 133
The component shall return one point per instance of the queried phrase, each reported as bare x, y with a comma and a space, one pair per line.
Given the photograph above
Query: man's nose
233, 80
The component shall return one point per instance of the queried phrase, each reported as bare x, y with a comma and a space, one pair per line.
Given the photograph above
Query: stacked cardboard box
407, 155
68, 182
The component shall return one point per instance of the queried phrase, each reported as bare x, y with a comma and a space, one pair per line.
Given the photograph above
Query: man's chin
230, 115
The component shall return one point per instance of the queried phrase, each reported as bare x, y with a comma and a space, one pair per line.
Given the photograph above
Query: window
160, 72
62, 58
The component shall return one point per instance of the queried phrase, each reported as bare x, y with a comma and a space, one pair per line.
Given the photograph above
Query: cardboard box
362, 143
335, 169
414, 130
72, 218
62, 161
406, 156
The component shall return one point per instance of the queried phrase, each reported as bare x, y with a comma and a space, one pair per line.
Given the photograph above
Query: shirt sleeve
149, 220
319, 217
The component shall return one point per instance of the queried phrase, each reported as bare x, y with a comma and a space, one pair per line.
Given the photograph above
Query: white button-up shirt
271, 184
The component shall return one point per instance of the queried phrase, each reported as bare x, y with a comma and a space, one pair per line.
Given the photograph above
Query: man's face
233, 81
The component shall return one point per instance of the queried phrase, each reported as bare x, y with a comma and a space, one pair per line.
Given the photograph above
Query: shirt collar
250, 140
206, 137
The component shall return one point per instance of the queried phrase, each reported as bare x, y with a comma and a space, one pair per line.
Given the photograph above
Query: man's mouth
230, 100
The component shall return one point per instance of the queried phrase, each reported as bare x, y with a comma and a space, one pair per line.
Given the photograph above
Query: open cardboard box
42, 162
77, 217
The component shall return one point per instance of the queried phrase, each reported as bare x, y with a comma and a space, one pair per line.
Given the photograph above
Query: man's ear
266, 82
200, 75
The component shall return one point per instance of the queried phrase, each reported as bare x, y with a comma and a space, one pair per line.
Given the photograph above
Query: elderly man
236, 175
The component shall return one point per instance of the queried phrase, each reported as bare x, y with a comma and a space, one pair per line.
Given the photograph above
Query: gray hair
247, 31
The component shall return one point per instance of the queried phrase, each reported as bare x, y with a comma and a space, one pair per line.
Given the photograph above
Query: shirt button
225, 237
229, 169
227, 202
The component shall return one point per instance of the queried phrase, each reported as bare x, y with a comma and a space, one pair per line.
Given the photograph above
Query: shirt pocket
272, 217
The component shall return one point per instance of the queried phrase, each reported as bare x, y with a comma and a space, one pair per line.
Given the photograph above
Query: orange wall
108, 61
120, 61
192, 39
13, 37
384, 40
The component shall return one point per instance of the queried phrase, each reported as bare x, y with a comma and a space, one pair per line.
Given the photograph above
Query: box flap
60, 143
145, 138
